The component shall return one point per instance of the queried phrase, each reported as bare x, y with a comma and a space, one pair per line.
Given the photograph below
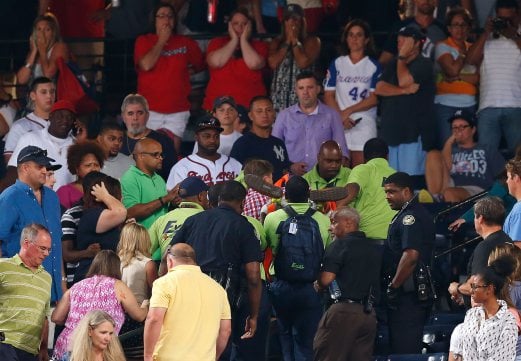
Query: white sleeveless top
135, 277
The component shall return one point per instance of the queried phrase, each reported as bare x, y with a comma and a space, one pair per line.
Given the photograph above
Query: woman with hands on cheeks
46, 46
289, 54
235, 63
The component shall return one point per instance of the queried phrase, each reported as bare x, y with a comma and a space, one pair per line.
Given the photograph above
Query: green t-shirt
138, 188
25, 297
163, 229
375, 213
272, 221
317, 182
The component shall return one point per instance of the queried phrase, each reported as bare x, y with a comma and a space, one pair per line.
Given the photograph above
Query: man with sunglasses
27, 286
29, 201
208, 164
144, 190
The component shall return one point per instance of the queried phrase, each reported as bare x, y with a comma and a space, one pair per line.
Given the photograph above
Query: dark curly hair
77, 152
497, 273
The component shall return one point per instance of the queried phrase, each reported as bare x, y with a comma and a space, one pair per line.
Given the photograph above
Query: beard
136, 130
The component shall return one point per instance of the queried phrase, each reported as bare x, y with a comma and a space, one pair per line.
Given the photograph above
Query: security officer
407, 256
348, 328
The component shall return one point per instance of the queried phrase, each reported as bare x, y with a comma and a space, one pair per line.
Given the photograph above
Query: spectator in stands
489, 215
289, 54
28, 201
189, 314
138, 271
69, 223
26, 288
102, 289
512, 224
303, 127
95, 337
135, 113
254, 200
46, 46
8, 109
489, 330
208, 164
260, 144
110, 138
144, 191
42, 95
313, 13
349, 87
329, 171
194, 199
464, 167
50, 179
497, 52
164, 62
103, 213
297, 305
55, 139
83, 21
406, 95
366, 193
235, 62
456, 82
424, 22
81, 160
225, 110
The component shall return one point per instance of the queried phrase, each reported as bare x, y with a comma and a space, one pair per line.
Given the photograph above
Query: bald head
329, 160
181, 253
143, 145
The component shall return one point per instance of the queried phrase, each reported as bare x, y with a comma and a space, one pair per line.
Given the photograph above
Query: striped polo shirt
24, 303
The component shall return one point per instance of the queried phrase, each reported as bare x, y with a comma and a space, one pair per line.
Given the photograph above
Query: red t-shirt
167, 85
235, 78
75, 20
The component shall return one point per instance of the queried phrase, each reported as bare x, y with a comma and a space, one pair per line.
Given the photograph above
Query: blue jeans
298, 308
443, 113
492, 122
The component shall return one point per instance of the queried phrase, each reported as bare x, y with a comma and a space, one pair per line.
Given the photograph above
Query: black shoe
328, 194
257, 184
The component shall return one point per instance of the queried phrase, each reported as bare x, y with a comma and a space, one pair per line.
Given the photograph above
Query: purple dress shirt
304, 133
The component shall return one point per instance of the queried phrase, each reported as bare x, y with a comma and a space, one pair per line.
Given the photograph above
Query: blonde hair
81, 343
134, 242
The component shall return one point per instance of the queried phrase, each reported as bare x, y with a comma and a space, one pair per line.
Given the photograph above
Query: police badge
408, 220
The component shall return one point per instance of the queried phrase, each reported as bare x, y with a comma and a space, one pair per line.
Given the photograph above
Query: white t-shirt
225, 143
500, 86
56, 149
31, 122
223, 169
116, 166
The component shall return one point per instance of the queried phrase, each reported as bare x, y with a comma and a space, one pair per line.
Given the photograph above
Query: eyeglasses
163, 16
460, 128
474, 286
155, 154
35, 153
42, 249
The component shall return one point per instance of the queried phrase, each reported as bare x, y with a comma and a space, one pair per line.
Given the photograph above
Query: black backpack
300, 251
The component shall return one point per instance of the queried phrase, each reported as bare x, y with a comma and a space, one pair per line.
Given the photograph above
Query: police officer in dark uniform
406, 261
228, 251
347, 330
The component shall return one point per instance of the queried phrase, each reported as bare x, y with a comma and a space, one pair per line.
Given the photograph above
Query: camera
498, 25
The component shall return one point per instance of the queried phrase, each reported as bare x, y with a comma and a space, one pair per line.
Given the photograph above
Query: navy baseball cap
467, 116
226, 99
191, 186
412, 32
32, 153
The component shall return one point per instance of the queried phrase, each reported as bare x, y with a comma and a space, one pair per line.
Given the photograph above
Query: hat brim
219, 129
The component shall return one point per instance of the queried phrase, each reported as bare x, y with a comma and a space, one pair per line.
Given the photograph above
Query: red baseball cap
64, 104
